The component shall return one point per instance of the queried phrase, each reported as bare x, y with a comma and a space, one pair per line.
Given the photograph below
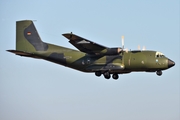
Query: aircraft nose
170, 63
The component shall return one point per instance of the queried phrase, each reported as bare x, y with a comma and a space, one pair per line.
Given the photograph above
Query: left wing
84, 45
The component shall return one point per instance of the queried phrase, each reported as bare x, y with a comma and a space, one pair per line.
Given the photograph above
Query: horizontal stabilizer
25, 54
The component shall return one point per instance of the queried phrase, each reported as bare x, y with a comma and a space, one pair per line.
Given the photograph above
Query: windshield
159, 55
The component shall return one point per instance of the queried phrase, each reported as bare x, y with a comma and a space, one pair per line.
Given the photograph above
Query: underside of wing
84, 45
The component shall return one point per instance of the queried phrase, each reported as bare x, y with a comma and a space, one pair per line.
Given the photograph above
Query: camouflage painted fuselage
92, 57
128, 62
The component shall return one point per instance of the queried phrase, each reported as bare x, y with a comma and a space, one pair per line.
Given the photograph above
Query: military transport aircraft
91, 57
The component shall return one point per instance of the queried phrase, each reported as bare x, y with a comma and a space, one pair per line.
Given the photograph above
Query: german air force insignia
28, 33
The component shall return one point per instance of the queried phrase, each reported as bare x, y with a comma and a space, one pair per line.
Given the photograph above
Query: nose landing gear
159, 73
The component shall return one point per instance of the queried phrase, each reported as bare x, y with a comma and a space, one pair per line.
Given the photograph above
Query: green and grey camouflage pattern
91, 57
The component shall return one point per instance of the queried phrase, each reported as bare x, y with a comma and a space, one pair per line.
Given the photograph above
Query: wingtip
68, 35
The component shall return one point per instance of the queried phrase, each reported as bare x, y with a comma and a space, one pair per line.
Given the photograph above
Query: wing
83, 44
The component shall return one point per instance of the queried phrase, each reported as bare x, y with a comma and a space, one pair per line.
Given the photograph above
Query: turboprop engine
110, 51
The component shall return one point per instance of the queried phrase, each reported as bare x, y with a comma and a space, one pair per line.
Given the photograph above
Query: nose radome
170, 63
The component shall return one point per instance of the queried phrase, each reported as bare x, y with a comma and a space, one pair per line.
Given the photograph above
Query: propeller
123, 45
139, 48
122, 42
144, 48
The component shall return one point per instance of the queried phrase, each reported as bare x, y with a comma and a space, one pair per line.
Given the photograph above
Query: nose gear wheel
159, 73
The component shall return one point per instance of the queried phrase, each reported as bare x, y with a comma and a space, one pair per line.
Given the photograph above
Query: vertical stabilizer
27, 37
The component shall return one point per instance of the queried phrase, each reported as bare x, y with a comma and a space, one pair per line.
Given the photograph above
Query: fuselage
149, 61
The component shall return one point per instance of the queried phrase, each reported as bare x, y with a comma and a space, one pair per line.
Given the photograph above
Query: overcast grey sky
32, 89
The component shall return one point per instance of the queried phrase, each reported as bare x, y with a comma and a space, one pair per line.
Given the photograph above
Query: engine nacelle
110, 51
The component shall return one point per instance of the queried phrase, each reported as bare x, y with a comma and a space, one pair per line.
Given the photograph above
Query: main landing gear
107, 75
159, 73
115, 76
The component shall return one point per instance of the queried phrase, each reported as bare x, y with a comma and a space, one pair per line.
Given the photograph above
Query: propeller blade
144, 48
122, 42
139, 48
126, 50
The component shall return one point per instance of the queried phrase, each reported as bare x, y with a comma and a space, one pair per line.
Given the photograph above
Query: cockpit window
159, 55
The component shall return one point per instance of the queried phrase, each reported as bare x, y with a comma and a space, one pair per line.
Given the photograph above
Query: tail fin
27, 37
